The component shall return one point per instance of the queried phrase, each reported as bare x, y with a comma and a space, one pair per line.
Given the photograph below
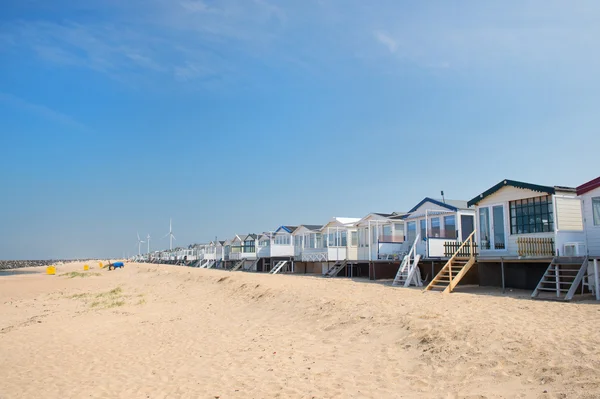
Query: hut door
466, 226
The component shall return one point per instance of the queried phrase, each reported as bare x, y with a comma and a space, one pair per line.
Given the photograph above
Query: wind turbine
170, 235
148, 241
140, 242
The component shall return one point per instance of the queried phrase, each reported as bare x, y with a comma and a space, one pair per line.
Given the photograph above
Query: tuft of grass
109, 299
114, 292
80, 296
79, 274
115, 304
141, 302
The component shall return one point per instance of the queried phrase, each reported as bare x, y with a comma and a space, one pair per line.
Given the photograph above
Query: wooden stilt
502, 267
597, 279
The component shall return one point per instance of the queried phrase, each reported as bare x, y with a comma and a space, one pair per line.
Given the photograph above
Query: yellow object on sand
86, 267
51, 270
100, 265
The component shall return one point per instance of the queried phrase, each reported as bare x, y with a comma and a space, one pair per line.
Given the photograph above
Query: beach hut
431, 226
590, 197
307, 239
242, 255
339, 248
276, 250
380, 244
523, 238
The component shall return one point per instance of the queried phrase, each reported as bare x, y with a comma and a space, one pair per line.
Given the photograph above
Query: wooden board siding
430, 207
509, 193
592, 232
568, 213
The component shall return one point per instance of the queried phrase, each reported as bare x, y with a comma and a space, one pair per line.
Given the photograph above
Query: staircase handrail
412, 252
468, 240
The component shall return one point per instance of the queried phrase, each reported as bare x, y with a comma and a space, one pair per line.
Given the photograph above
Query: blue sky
238, 116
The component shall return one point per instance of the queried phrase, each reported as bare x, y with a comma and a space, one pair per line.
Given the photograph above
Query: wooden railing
457, 248
531, 246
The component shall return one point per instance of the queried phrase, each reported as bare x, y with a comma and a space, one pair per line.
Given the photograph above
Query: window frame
596, 223
526, 215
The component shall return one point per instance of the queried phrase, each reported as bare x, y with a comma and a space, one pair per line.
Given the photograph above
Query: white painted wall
592, 232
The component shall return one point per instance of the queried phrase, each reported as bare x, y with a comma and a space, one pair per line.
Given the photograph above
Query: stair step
554, 282
560, 270
552, 289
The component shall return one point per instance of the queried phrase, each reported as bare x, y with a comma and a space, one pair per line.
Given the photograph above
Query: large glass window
398, 229
282, 239
298, 241
411, 233
387, 232
320, 241
423, 223
311, 241
353, 238
249, 246
596, 210
344, 238
363, 237
435, 227
532, 215
450, 226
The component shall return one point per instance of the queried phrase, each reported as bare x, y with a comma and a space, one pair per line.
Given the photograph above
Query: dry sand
152, 331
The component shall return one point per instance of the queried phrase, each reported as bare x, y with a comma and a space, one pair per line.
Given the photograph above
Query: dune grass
79, 274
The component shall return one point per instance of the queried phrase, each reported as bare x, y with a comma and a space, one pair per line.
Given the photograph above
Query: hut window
411, 231
363, 237
249, 246
435, 227
532, 215
282, 239
344, 238
354, 238
398, 229
423, 229
450, 226
596, 210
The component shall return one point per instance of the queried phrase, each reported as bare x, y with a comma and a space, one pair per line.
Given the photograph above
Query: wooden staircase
408, 272
456, 267
561, 279
336, 268
253, 265
210, 264
278, 267
238, 265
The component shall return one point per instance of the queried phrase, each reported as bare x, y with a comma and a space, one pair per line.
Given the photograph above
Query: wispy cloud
196, 40
387, 41
42, 111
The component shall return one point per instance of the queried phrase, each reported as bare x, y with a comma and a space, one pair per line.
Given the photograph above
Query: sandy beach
150, 331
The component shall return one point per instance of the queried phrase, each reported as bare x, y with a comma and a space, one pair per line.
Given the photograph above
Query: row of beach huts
545, 239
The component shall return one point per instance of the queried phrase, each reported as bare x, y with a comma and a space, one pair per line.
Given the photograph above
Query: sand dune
152, 331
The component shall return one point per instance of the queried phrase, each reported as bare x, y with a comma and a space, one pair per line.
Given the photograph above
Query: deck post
597, 279
432, 270
556, 271
502, 267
